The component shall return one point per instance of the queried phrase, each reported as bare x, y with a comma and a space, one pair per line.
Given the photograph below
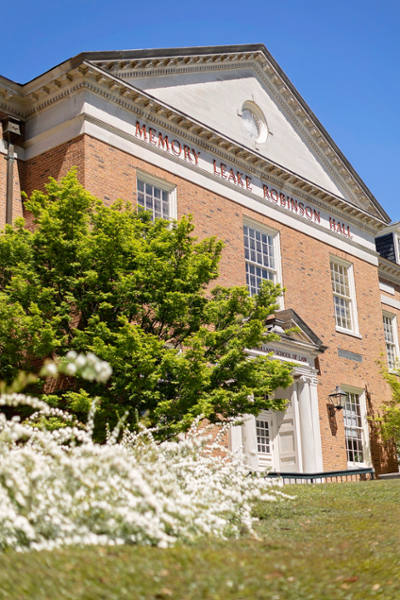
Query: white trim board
19, 152
390, 302
386, 287
124, 141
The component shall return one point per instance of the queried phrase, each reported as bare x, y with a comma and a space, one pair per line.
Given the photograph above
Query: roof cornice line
277, 81
225, 54
222, 140
389, 270
92, 77
130, 97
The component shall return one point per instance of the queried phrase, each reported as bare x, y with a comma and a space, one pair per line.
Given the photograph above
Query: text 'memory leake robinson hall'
221, 132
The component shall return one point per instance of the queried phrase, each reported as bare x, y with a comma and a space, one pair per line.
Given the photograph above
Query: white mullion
358, 395
271, 255
254, 264
342, 276
390, 323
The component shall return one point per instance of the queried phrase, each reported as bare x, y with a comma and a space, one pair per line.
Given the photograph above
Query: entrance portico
291, 440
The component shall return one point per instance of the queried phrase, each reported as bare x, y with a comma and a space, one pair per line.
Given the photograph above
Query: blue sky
342, 55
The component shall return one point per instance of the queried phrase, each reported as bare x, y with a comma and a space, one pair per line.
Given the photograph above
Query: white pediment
204, 90
216, 98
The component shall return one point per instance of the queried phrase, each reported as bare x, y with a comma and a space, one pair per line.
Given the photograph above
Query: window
261, 255
390, 329
356, 427
156, 195
263, 437
353, 428
154, 199
254, 122
344, 296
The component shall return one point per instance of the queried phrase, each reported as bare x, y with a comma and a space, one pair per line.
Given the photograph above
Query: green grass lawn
332, 541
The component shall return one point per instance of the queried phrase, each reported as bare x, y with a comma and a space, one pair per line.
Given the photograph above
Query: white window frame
395, 343
247, 222
396, 243
266, 460
265, 421
354, 331
163, 185
360, 392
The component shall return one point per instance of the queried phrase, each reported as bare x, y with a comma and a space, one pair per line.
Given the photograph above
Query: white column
295, 404
235, 439
319, 465
249, 436
309, 425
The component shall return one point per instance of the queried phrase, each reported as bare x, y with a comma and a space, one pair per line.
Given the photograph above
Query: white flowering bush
59, 488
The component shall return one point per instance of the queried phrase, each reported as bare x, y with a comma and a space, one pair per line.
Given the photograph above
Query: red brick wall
110, 174
56, 163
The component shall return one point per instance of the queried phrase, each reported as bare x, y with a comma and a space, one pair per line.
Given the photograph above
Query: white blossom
59, 488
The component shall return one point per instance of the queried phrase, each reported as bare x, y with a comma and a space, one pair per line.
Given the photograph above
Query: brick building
222, 133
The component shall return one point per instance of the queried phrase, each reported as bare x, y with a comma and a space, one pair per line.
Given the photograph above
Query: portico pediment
298, 344
295, 329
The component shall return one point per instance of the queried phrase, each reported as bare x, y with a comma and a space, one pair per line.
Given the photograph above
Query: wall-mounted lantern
337, 400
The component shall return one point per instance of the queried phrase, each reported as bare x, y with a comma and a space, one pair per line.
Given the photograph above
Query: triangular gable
216, 98
285, 320
211, 85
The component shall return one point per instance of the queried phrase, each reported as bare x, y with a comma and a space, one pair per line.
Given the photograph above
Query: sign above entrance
284, 354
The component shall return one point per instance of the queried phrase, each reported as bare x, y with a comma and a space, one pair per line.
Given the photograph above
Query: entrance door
265, 433
287, 451
277, 446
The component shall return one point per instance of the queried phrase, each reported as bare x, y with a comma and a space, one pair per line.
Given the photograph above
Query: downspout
11, 131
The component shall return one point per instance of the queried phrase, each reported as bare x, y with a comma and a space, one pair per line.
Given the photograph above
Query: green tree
388, 421
136, 293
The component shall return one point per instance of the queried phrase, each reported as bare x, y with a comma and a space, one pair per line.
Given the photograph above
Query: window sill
394, 371
362, 465
347, 332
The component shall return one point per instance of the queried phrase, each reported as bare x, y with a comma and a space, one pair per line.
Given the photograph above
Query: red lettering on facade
141, 131
340, 228
186, 150
176, 152
274, 197
309, 212
163, 142
152, 136
196, 156
190, 155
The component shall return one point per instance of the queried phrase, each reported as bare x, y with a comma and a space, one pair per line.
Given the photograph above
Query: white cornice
10, 97
389, 270
283, 91
54, 87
